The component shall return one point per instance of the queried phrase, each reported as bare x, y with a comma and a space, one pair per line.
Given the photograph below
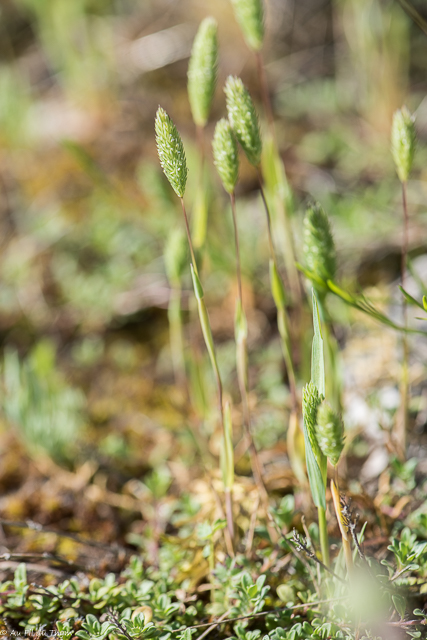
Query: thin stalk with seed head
282, 318
250, 15
202, 75
225, 152
173, 161
403, 142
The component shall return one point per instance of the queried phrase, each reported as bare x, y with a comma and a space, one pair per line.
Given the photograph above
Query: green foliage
36, 399
243, 119
403, 142
250, 16
319, 248
330, 432
226, 155
202, 71
171, 152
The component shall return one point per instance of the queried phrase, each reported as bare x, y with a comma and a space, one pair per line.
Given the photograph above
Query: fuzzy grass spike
171, 152
319, 247
403, 140
202, 71
330, 432
226, 155
244, 119
250, 17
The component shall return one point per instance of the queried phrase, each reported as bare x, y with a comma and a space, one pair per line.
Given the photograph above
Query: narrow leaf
410, 299
317, 360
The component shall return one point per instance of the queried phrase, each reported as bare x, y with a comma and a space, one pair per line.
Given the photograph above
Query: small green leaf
400, 604
425, 303
412, 300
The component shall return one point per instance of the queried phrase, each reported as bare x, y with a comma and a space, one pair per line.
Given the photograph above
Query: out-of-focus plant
244, 121
403, 141
226, 160
47, 412
175, 257
202, 75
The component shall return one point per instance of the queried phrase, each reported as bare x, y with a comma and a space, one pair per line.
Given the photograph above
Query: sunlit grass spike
311, 400
171, 152
244, 119
319, 247
250, 16
330, 432
202, 71
403, 141
226, 155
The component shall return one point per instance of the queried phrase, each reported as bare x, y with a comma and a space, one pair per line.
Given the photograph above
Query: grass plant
172, 159
403, 140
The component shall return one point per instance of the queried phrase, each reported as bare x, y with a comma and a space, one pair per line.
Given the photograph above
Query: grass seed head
319, 247
244, 119
330, 432
311, 400
403, 141
250, 16
171, 152
226, 155
202, 71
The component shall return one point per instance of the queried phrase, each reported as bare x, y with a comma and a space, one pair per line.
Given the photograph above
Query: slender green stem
190, 243
176, 335
281, 312
207, 334
236, 244
402, 425
284, 219
242, 359
267, 213
323, 532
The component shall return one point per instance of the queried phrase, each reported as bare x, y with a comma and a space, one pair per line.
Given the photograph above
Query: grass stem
402, 422
242, 369
323, 532
207, 335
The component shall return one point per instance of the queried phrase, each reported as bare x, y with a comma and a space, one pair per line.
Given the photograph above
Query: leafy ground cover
133, 504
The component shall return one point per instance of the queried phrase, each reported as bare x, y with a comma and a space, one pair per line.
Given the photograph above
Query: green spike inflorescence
250, 16
403, 141
319, 247
226, 155
243, 119
171, 152
202, 71
330, 432
311, 400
